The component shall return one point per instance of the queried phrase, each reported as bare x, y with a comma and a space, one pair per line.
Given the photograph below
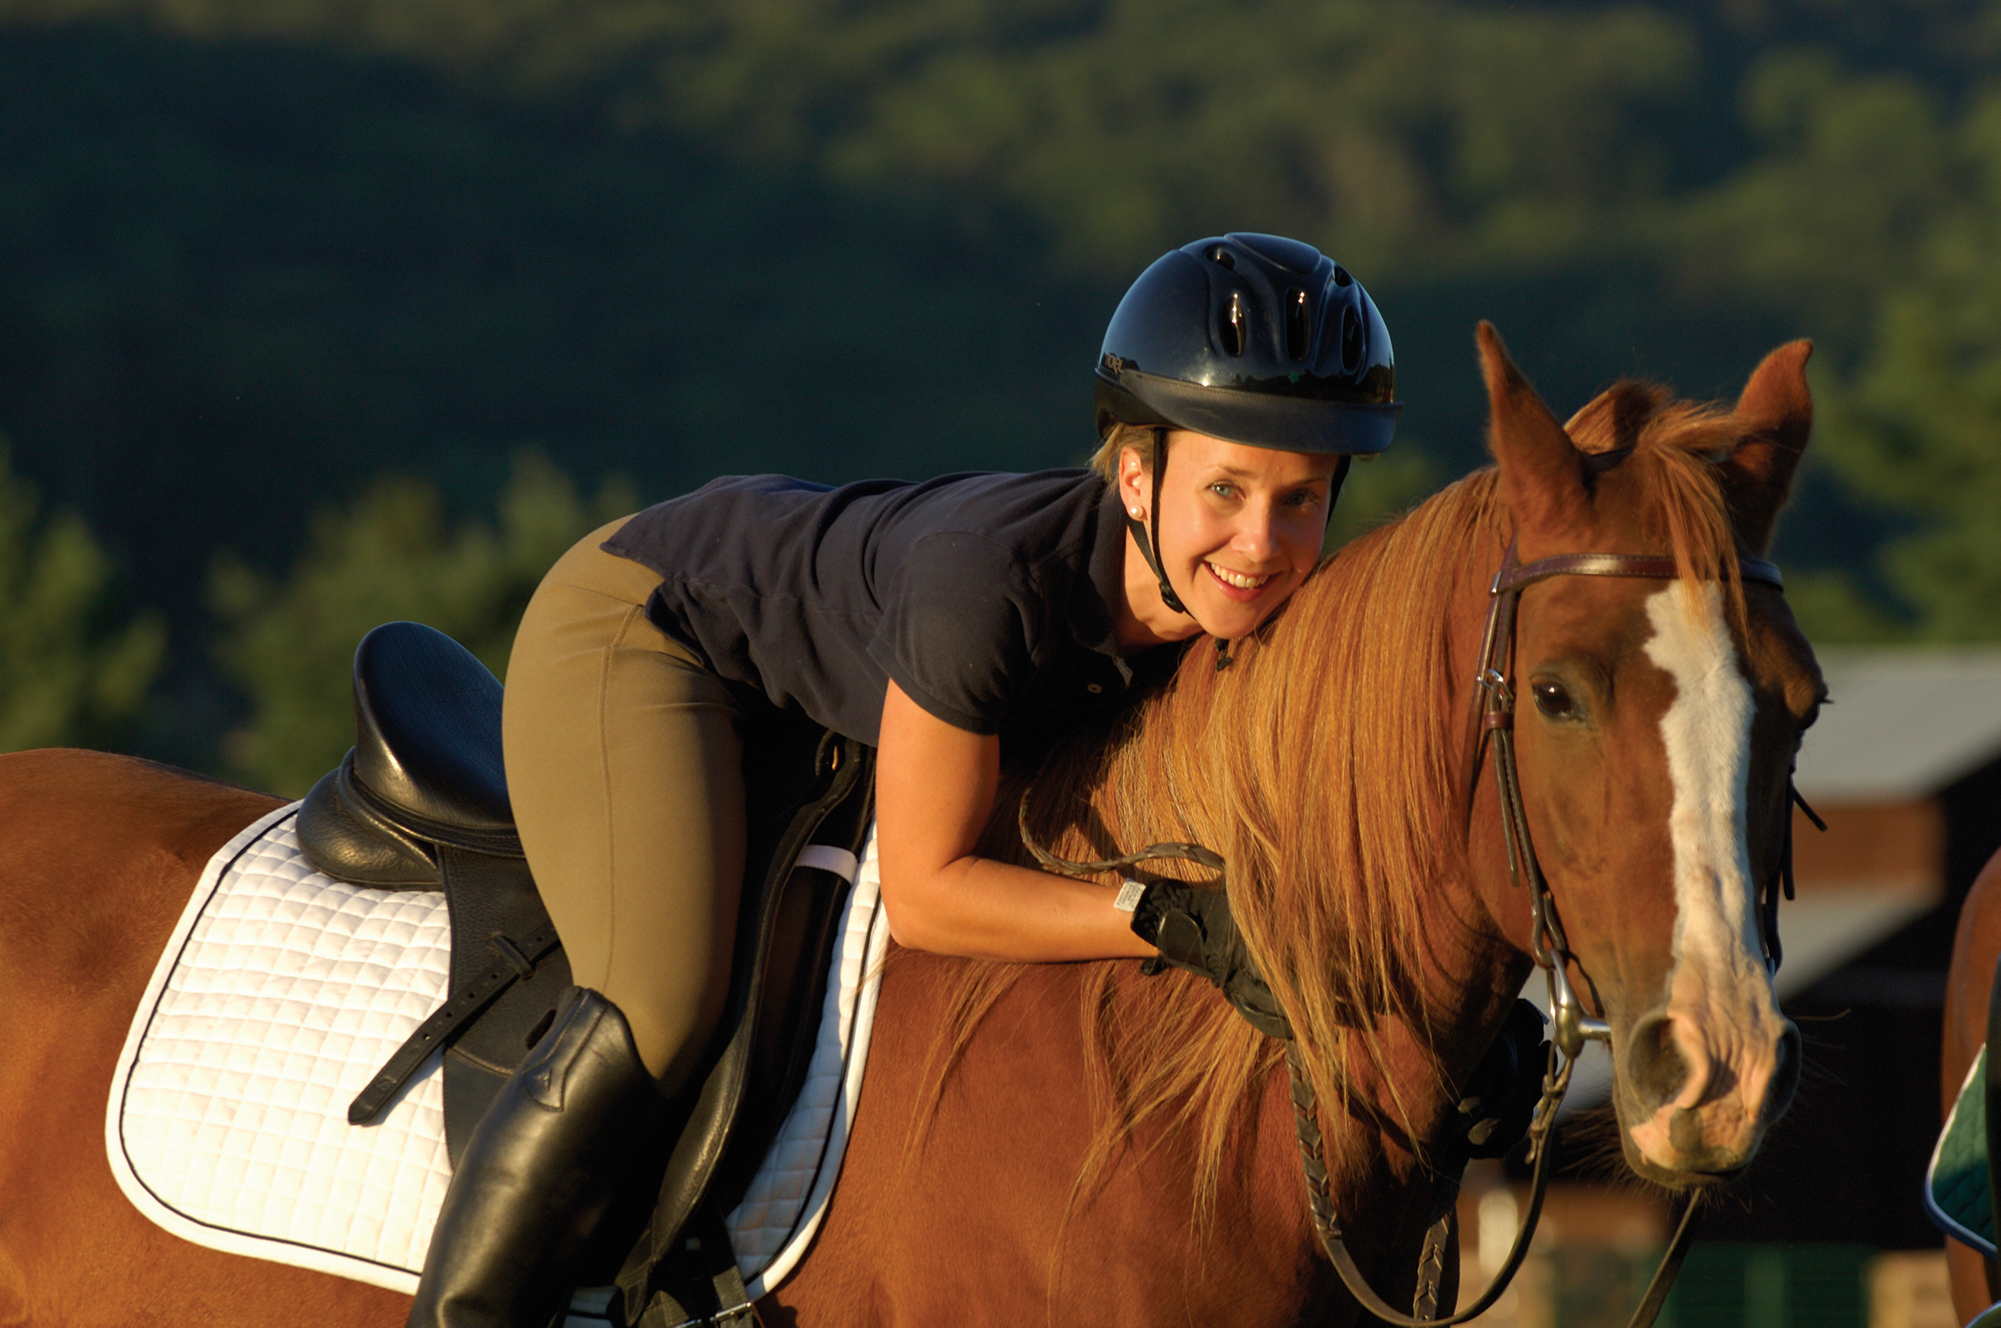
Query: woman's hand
934, 791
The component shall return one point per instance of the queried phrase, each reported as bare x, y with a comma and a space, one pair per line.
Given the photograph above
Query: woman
953, 624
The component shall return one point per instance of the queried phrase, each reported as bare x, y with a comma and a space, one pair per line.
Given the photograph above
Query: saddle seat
421, 802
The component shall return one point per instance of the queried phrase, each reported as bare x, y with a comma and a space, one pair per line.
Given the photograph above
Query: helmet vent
1341, 277
1218, 254
1298, 325
1233, 325
1351, 340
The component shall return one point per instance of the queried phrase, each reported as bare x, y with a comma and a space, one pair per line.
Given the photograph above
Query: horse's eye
1552, 700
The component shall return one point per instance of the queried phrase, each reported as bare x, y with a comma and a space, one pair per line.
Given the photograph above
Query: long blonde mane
1324, 765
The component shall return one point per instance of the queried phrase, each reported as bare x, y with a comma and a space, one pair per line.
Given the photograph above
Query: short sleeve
957, 632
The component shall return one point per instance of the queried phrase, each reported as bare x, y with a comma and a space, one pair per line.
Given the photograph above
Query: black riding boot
537, 1175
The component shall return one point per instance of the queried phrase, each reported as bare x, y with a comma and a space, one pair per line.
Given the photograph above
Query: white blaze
1708, 735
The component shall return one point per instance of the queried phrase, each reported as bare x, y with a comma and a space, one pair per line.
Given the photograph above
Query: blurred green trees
70, 671
1853, 172
680, 237
1877, 216
1380, 487
391, 555
1918, 429
1412, 138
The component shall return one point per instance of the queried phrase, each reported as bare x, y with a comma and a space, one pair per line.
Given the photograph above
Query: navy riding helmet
1253, 339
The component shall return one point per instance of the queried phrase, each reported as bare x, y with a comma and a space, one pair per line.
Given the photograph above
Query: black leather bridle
1571, 1027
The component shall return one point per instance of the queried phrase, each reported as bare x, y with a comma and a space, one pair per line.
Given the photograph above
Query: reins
1083, 871
1571, 1027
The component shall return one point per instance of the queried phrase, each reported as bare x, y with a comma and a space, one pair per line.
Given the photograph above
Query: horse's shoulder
14, 1304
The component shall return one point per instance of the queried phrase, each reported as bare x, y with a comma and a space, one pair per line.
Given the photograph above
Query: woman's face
1240, 527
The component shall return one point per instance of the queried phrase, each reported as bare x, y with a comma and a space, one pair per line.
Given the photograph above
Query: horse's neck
1407, 1090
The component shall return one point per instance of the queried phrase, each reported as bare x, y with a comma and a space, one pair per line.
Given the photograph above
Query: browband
1512, 577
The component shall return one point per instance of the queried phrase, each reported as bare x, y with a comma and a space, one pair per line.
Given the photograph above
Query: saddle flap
427, 733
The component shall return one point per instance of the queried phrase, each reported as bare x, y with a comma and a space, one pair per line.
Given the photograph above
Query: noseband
1571, 1026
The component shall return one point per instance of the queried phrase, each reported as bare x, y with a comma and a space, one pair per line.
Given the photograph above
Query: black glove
1192, 928
1502, 1092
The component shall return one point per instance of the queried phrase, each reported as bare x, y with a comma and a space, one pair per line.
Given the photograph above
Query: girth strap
701, 1287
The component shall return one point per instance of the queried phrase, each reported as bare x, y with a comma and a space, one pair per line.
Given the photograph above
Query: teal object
1956, 1186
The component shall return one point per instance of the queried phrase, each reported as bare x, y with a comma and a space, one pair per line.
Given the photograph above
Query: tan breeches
625, 767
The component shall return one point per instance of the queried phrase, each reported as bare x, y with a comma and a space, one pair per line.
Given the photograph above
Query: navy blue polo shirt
987, 597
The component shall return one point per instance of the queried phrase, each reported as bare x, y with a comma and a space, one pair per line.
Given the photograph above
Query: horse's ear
1776, 412
1542, 480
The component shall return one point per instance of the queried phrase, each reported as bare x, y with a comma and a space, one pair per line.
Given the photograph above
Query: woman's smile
1240, 586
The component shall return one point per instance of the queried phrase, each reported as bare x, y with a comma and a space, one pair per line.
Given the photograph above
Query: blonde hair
1138, 437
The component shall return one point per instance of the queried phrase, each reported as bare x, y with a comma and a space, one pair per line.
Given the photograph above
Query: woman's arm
934, 791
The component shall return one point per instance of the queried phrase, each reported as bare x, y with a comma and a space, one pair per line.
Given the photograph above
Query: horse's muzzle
1696, 1096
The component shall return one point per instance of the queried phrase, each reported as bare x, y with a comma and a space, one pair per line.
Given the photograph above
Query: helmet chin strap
1334, 492
1149, 542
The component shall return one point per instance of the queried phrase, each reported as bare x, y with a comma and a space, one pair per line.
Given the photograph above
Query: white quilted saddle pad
280, 994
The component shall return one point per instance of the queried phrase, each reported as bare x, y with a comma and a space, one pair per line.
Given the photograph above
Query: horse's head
1655, 731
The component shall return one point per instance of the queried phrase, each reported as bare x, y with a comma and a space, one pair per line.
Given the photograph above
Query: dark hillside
243, 279
254, 258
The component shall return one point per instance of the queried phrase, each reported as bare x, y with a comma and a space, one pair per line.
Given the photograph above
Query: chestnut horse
1078, 1142
1976, 948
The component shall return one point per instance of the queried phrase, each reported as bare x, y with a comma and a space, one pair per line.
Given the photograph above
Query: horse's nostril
1655, 1066
1785, 1074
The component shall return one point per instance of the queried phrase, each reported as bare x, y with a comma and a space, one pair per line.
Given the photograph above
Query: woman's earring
1134, 511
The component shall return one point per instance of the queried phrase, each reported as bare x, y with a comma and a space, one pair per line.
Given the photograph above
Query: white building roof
1902, 722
